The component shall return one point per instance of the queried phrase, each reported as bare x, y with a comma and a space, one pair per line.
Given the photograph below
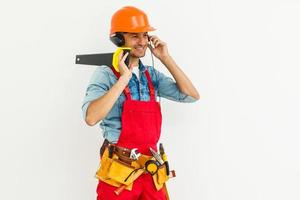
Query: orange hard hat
130, 19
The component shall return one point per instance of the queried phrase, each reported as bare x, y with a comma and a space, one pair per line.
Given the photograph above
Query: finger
120, 55
124, 57
152, 37
150, 47
158, 43
155, 40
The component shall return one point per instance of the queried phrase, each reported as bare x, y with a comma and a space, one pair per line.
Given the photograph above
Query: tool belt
118, 168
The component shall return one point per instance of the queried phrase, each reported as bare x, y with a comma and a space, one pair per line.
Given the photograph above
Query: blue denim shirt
103, 79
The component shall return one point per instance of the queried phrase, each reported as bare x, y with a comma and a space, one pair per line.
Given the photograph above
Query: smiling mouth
140, 48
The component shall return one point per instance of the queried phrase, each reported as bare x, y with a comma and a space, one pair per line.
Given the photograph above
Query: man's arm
182, 81
99, 108
159, 49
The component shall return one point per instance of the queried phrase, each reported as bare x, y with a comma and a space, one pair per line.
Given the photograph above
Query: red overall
141, 125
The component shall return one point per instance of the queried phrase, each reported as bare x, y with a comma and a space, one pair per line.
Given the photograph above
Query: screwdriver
164, 157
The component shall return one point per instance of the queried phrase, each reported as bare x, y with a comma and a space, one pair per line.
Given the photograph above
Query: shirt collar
142, 68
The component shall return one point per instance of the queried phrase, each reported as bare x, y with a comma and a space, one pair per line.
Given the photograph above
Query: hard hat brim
132, 30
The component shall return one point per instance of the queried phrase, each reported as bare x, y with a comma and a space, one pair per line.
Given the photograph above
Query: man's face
138, 42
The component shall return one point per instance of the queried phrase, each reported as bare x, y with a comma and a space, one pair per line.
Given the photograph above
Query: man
125, 103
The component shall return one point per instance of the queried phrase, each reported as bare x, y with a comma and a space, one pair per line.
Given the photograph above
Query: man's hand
159, 48
125, 71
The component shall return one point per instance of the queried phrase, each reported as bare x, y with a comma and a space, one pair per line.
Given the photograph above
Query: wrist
124, 80
166, 58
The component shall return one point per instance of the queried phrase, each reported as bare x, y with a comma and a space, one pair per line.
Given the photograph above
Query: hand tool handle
167, 167
120, 189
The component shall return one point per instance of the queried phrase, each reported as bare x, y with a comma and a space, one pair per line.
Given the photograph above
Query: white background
240, 141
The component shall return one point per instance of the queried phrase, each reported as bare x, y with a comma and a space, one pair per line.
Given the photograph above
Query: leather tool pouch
160, 177
104, 166
115, 172
121, 172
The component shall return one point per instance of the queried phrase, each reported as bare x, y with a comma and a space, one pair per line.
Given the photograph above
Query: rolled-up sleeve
167, 88
97, 87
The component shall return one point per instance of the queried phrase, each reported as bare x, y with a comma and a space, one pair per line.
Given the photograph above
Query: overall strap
151, 87
126, 90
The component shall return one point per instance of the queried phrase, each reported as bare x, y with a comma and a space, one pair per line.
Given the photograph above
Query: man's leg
106, 192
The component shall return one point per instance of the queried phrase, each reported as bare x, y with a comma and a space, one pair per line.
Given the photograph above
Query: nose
142, 40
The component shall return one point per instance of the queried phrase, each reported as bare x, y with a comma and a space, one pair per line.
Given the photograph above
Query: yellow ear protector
118, 39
